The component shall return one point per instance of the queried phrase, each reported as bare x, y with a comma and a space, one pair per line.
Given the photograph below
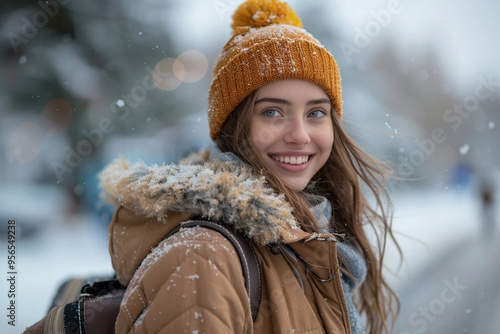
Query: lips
292, 160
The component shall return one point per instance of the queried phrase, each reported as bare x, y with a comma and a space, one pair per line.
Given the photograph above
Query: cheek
266, 133
261, 137
325, 139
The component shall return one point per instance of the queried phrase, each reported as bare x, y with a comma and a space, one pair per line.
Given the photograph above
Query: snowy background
84, 82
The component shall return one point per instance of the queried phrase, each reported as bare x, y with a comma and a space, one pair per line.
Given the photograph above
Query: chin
297, 186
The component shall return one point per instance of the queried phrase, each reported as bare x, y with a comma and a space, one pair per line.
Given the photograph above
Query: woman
288, 175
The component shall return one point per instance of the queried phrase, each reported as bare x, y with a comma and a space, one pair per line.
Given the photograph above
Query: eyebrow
286, 102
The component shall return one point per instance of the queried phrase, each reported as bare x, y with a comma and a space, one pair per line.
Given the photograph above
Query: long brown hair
340, 180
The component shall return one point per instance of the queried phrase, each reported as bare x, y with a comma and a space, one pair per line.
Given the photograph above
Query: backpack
91, 306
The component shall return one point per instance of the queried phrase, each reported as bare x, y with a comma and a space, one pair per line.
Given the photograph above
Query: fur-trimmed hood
222, 189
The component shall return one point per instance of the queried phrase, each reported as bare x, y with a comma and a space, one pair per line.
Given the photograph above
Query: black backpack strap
96, 309
100, 288
246, 254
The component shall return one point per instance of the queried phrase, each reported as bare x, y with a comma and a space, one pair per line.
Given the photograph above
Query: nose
297, 132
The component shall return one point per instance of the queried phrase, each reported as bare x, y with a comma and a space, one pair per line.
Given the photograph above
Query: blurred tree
98, 56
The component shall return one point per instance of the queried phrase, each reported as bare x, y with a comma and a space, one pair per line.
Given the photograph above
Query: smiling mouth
292, 160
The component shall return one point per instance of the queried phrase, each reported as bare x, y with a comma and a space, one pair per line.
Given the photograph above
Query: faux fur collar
222, 189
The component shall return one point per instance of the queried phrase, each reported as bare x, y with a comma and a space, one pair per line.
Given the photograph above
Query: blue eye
317, 113
271, 113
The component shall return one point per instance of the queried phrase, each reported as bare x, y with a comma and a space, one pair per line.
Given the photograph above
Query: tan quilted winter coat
192, 282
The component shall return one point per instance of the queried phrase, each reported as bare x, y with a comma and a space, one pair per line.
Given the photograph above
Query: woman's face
291, 128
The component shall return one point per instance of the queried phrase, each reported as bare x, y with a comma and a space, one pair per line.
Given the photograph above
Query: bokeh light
168, 74
26, 141
56, 117
195, 66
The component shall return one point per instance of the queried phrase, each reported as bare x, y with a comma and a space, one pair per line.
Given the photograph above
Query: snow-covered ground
428, 223
60, 250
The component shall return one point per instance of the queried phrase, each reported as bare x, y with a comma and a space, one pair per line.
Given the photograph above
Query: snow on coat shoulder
224, 190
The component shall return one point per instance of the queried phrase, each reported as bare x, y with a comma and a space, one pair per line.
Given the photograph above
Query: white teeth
292, 160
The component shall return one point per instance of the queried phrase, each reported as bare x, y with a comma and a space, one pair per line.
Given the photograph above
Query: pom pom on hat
261, 13
268, 44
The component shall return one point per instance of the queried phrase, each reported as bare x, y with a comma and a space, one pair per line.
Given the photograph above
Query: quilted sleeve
190, 283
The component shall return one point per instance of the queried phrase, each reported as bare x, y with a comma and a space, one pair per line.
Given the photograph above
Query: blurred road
458, 292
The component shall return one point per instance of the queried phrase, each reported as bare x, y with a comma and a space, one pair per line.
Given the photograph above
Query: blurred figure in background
488, 192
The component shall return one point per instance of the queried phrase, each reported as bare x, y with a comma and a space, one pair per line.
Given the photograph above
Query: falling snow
120, 103
464, 149
23, 59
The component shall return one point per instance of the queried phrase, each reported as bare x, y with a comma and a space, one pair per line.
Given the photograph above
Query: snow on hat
268, 44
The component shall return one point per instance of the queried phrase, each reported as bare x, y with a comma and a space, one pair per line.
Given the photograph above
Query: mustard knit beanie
268, 44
